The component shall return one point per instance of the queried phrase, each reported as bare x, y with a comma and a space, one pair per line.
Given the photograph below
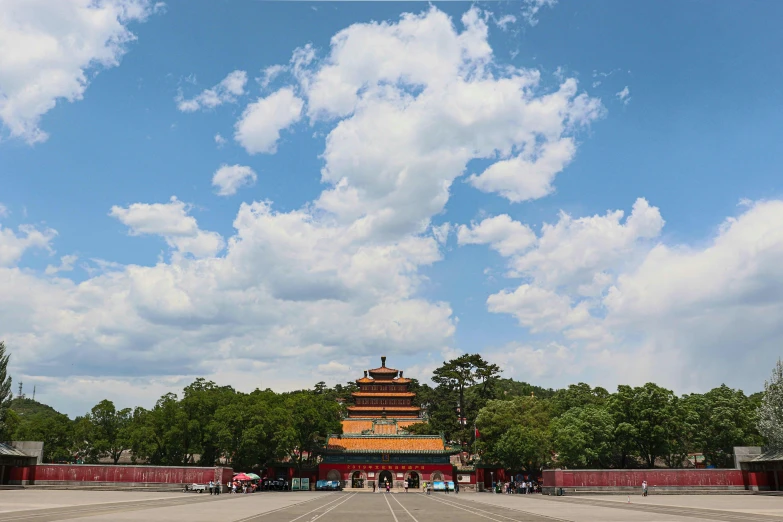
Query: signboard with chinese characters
295, 484
305, 485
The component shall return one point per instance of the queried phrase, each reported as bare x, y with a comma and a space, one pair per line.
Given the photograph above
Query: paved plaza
51, 505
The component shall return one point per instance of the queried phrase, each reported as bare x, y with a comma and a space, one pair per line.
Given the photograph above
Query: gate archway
414, 480
357, 479
385, 476
436, 476
333, 476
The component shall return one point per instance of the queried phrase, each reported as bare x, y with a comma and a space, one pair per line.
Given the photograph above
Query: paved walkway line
456, 503
390, 508
406, 509
259, 515
328, 510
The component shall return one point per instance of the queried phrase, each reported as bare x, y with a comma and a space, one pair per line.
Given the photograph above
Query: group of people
523, 487
234, 486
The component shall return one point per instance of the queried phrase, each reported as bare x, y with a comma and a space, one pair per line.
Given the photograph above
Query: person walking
388, 486
644, 488
406, 485
456, 488
373, 486
211, 488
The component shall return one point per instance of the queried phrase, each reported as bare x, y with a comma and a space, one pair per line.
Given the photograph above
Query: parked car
196, 488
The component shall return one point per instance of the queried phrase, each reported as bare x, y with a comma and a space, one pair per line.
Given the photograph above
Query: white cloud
49, 50
505, 21
530, 9
530, 174
617, 294
4, 212
409, 128
227, 91
441, 232
13, 245
624, 95
230, 178
571, 251
172, 222
500, 232
258, 130
66, 265
270, 73
219, 140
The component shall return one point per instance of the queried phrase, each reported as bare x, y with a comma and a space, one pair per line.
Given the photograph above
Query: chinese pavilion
375, 446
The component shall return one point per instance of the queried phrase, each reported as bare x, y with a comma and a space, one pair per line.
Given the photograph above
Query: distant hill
25, 408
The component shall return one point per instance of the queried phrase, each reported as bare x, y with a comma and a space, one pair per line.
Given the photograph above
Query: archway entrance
413, 480
384, 477
436, 476
357, 479
333, 476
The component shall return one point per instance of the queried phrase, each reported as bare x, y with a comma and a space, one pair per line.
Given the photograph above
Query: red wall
654, 477
424, 470
121, 474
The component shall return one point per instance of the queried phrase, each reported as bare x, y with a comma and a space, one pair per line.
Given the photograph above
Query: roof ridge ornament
383, 361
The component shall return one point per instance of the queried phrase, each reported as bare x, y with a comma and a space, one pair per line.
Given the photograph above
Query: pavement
45, 506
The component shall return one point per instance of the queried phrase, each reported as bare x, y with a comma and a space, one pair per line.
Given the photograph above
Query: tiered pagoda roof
378, 420
383, 392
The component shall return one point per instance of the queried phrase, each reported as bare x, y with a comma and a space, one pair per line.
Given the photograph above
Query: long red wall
588, 478
49, 473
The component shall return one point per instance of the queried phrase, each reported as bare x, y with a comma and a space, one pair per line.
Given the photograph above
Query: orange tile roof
364, 380
356, 425
384, 369
402, 380
383, 394
407, 422
383, 407
389, 443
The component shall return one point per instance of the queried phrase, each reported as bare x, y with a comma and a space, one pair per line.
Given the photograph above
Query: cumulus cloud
219, 140
401, 141
13, 245
530, 9
258, 130
172, 222
614, 289
500, 232
66, 265
227, 91
624, 95
49, 50
230, 178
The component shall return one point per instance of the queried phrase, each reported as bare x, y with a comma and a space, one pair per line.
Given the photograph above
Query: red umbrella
241, 476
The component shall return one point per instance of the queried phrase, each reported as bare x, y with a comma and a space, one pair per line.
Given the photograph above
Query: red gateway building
375, 446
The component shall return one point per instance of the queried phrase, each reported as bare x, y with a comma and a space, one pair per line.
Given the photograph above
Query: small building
12, 458
375, 446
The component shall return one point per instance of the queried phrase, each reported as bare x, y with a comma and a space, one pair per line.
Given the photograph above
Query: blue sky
319, 282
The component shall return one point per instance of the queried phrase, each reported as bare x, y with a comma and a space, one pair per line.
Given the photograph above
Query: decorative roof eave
332, 451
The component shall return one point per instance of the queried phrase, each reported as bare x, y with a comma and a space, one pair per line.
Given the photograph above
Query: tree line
519, 426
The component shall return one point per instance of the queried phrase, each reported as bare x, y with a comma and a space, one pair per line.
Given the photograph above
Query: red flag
477, 432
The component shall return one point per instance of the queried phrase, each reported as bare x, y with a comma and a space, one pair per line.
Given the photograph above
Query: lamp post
492, 474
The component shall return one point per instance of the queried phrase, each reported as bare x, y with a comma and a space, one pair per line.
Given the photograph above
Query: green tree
770, 413
244, 429
648, 422
306, 421
583, 437
108, 430
523, 448
719, 420
577, 395
499, 417
455, 379
5, 391
200, 400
